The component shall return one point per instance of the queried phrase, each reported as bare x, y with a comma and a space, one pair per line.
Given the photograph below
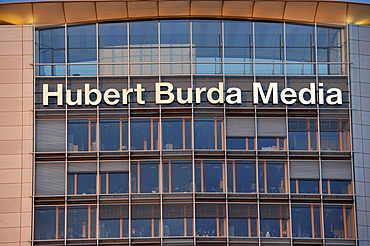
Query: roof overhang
60, 12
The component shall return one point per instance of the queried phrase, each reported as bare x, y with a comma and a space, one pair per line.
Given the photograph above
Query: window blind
268, 127
50, 179
304, 170
238, 127
50, 135
336, 170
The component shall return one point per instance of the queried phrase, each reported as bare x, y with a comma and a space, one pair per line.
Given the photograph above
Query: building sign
165, 93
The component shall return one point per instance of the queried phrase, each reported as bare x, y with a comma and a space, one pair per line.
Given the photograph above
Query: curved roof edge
84, 11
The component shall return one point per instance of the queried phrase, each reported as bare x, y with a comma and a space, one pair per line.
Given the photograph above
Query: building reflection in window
274, 220
81, 222
176, 133
272, 177
334, 134
177, 220
241, 176
113, 134
210, 219
242, 220
178, 176
339, 221
208, 133
145, 220
81, 178
114, 177
49, 223
306, 221
302, 134
304, 176
113, 221
271, 134
240, 133
144, 177
209, 176
144, 134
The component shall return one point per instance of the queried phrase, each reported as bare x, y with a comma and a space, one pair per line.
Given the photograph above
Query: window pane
46, 220
209, 176
268, 34
272, 177
241, 176
82, 44
81, 222
306, 221
178, 176
50, 45
175, 32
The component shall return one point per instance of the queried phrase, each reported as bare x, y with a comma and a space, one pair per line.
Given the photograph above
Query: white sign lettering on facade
165, 93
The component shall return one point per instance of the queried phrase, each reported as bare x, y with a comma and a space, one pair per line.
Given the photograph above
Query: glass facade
192, 172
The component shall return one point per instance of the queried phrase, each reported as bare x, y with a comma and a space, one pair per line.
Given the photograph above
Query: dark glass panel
143, 33
175, 32
50, 46
82, 44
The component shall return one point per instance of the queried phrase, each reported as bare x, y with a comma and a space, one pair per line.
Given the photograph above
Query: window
50, 178
178, 176
50, 136
145, 220
177, 220
144, 134
271, 134
49, 223
144, 177
274, 220
336, 177
304, 177
208, 133
241, 176
81, 178
113, 134
113, 221
272, 177
81, 222
335, 134
114, 177
240, 133
113, 43
209, 176
306, 221
82, 135
339, 221
303, 134
176, 133
329, 47
210, 219
242, 220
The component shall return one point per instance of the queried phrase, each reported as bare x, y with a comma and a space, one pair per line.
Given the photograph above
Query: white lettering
46, 94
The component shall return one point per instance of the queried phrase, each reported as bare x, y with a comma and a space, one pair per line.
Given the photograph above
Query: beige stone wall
16, 133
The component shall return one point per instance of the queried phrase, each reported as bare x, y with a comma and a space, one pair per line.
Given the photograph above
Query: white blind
268, 127
238, 127
304, 170
50, 179
50, 135
117, 166
336, 170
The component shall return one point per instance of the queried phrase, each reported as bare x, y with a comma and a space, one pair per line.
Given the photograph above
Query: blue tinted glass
86, 183
109, 135
45, 223
175, 32
50, 46
268, 34
299, 35
204, 135
143, 33
206, 33
109, 228
237, 34
118, 183
113, 35
82, 44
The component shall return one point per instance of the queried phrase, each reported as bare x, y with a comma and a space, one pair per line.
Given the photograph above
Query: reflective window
144, 134
114, 177
208, 133
241, 176
178, 176
113, 221
242, 220
82, 135
300, 41
269, 41
238, 41
272, 177
274, 220
50, 46
82, 43
144, 177
145, 220
306, 221
339, 221
113, 134
176, 133
49, 223
81, 178
209, 176
335, 134
177, 220
210, 219
144, 41
302, 134
113, 43
81, 222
